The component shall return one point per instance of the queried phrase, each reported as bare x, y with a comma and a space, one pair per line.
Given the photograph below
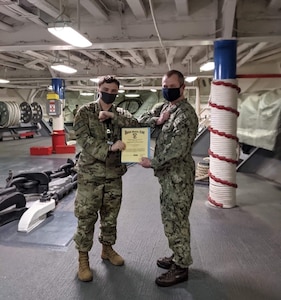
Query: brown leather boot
84, 272
175, 275
165, 262
111, 255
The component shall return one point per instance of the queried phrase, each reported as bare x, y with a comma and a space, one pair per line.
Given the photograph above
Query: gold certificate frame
137, 142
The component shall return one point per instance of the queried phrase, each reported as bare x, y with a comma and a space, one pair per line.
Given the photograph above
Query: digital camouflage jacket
93, 137
175, 138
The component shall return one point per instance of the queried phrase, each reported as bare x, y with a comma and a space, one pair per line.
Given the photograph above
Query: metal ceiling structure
136, 40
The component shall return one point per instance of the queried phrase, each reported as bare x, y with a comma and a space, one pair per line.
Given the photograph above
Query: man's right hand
118, 146
163, 118
104, 115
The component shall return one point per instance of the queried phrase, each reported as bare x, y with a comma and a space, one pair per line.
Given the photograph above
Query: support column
224, 147
58, 136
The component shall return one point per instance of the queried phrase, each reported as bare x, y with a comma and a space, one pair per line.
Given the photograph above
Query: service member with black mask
173, 164
97, 126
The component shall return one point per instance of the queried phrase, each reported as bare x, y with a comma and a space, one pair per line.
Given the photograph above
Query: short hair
175, 72
108, 79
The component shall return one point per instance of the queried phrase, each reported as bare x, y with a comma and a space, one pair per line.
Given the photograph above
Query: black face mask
108, 98
171, 94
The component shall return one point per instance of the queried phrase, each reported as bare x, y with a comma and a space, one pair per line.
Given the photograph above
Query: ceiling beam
12, 65
243, 47
182, 7
27, 15
6, 27
105, 60
36, 55
268, 55
117, 57
171, 55
137, 8
153, 56
46, 7
228, 17
191, 53
137, 57
18, 13
272, 57
109, 45
7, 12
251, 53
67, 56
33, 65
95, 9
9, 58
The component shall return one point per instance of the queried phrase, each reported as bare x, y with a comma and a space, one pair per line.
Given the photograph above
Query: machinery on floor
32, 197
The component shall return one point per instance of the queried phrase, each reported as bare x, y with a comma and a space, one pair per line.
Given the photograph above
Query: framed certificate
137, 142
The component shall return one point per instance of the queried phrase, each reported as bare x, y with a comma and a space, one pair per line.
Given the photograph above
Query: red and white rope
223, 143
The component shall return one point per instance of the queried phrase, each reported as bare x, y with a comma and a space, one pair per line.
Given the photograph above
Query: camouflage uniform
98, 174
175, 169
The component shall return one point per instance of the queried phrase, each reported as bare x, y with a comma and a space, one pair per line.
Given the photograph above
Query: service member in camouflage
173, 164
97, 126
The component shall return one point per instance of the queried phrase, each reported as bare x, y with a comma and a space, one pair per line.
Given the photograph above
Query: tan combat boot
111, 255
84, 272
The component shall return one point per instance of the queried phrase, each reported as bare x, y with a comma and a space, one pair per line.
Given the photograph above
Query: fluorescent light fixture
121, 91
96, 80
153, 90
69, 35
132, 95
63, 68
2, 80
208, 66
86, 93
190, 78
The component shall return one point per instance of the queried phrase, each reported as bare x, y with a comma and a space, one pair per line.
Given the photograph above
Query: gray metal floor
236, 252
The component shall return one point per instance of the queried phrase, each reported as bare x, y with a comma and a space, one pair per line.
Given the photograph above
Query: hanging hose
223, 143
158, 34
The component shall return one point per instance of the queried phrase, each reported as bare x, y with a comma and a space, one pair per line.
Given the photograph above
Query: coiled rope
223, 143
10, 114
202, 170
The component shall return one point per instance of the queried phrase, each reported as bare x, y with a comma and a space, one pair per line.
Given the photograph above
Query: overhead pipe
16, 84
259, 76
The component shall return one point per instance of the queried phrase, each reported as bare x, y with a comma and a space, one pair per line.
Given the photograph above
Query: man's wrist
109, 146
157, 122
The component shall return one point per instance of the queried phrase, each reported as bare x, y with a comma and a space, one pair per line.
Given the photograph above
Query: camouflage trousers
93, 197
176, 195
